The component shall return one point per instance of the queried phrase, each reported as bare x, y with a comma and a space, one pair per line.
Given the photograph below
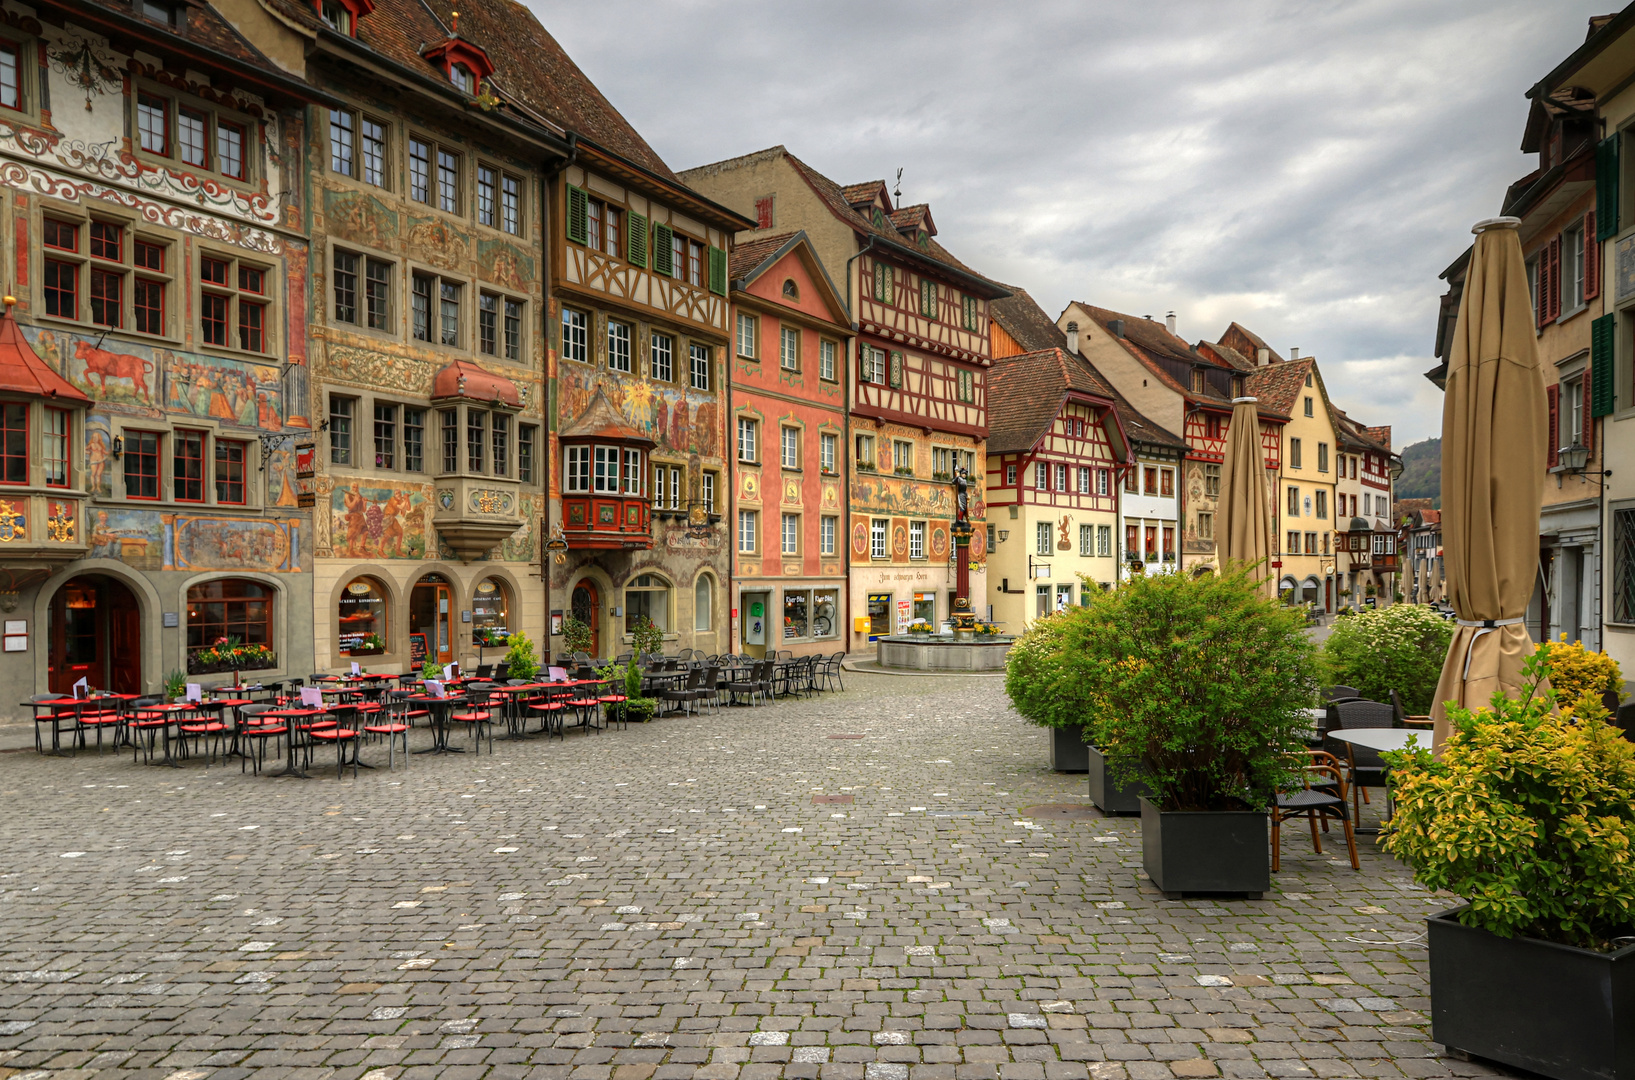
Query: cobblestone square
851, 887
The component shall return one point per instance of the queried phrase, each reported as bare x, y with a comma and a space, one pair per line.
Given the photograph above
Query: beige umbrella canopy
1494, 424
1246, 523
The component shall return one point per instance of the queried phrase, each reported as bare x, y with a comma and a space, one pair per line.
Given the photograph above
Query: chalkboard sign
417, 649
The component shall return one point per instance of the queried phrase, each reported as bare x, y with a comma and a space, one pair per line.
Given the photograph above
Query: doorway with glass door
431, 611
586, 606
757, 616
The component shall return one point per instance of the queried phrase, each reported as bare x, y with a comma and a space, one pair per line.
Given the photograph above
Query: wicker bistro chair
687, 695
1323, 799
1364, 767
1343, 693
1403, 717
749, 686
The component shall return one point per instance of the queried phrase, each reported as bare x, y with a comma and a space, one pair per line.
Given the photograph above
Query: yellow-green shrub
1529, 815
1575, 671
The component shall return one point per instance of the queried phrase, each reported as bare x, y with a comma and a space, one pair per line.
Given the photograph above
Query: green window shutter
636, 240
1606, 187
718, 271
663, 263
578, 215
1603, 387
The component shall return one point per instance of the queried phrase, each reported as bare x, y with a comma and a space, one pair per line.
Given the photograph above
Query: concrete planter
1068, 750
1561, 1012
1206, 851
1106, 793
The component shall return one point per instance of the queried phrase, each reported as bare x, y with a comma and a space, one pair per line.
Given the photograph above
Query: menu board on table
417, 649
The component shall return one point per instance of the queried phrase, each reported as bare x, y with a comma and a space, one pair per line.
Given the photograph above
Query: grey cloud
1306, 168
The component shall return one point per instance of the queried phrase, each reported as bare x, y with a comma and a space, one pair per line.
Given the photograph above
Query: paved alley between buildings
885, 883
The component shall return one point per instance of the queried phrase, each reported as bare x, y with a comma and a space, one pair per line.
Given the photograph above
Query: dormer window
336, 16
463, 77
342, 15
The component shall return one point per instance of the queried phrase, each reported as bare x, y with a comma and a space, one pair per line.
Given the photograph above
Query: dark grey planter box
1067, 749
1206, 851
1105, 791
1555, 1010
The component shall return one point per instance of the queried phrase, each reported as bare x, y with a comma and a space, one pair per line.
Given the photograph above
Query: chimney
1072, 337
1263, 356
1116, 327
1294, 352
1169, 322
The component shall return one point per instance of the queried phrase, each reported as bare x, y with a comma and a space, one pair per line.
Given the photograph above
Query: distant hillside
1422, 472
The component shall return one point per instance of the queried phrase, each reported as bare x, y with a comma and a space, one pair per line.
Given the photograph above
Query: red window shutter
1555, 278
1592, 263
1589, 417
1553, 395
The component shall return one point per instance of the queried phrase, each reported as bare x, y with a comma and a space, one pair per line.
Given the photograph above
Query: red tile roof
23, 372
749, 254
1278, 386
1025, 393
1020, 316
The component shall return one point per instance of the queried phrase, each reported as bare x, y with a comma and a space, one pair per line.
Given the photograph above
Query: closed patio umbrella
1246, 523
1494, 424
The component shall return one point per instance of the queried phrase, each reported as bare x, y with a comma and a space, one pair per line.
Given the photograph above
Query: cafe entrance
757, 618
95, 634
431, 604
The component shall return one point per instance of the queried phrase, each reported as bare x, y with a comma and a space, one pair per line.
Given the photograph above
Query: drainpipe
547, 455
846, 405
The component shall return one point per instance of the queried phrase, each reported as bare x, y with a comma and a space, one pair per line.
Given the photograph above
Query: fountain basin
943, 652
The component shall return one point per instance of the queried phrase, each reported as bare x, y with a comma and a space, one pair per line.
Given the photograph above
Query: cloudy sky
1306, 168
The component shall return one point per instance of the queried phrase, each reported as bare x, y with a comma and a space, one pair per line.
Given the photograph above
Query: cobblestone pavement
847, 888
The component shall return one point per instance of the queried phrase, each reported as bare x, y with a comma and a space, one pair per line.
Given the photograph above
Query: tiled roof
912, 218
463, 379
207, 29
1149, 341
531, 68
1381, 435
834, 196
858, 194
749, 254
601, 420
1354, 436
1227, 355
1277, 386
1025, 393
1024, 320
1248, 343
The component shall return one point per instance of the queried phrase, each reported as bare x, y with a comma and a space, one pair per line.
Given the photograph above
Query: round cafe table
298, 719
1384, 740
439, 708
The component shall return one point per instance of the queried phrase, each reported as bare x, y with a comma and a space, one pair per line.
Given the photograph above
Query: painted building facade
151, 222
638, 374
916, 376
791, 333
1370, 562
428, 288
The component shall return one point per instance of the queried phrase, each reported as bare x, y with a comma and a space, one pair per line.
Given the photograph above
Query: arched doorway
95, 634
587, 606
1309, 591
431, 612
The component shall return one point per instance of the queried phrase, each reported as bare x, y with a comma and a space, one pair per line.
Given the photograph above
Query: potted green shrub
1198, 686
520, 662
635, 707
1399, 648
175, 687
646, 637
1529, 815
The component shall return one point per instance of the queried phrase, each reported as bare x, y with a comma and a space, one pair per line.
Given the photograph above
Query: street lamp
1575, 460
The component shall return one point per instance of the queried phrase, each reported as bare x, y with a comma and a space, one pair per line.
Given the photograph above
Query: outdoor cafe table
293, 718
171, 714
59, 708
439, 709
1384, 740
222, 705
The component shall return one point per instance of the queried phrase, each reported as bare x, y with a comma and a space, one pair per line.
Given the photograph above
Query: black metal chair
685, 695
1366, 768
1322, 800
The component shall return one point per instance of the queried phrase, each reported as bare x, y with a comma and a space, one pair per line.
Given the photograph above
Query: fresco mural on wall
505, 264
99, 442
908, 496
438, 242
146, 381
680, 420
281, 482
522, 545
378, 523
234, 544
359, 217
134, 537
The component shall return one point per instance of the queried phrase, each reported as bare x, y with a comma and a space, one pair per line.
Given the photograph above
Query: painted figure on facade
962, 497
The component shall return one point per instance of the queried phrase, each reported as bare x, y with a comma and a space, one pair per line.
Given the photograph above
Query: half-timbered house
917, 377
640, 324
1367, 528
152, 347
1141, 520
788, 417
1055, 449
1188, 389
